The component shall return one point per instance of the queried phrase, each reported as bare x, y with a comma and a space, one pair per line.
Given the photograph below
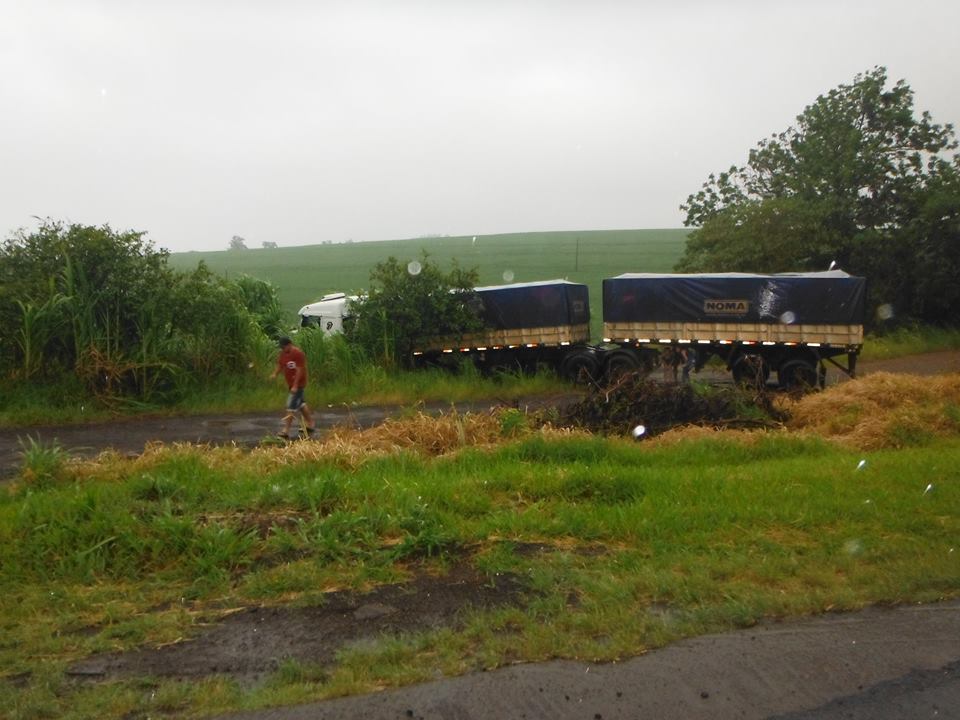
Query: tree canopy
861, 180
407, 303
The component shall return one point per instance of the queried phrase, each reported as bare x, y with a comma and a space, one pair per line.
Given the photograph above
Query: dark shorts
295, 400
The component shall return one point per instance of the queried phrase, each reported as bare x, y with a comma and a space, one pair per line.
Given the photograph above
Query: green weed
909, 341
512, 422
41, 464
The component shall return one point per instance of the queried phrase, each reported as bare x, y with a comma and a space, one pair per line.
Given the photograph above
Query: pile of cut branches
634, 401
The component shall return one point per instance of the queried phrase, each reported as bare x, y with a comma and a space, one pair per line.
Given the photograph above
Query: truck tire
751, 370
620, 363
580, 367
799, 376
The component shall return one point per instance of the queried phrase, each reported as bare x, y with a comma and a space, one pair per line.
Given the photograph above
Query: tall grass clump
42, 464
102, 308
331, 359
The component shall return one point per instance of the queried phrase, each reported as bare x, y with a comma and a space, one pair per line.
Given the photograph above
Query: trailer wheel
620, 364
580, 367
799, 376
751, 370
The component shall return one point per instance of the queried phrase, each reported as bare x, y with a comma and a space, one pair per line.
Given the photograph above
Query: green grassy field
304, 274
639, 545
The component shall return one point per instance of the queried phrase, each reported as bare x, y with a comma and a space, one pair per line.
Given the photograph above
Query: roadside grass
622, 546
909, 341
253, 392
42, 464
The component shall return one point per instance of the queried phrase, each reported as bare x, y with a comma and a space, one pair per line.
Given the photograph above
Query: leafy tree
238, 243
859, 180
933, 236
408, 303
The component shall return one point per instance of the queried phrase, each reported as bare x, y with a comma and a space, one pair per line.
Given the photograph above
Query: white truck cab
328, 313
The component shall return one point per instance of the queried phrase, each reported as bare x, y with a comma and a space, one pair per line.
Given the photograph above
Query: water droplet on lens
508, 275
885, 311
414, 267
853, 547
788, 318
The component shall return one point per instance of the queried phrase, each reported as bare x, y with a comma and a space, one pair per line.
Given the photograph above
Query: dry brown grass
699, 432
882, 410
425, 435
420, 434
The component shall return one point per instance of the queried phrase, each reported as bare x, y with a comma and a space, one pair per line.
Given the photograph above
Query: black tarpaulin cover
537, 304
821, 298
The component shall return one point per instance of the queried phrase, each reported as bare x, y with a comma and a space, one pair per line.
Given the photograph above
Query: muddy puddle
250, 644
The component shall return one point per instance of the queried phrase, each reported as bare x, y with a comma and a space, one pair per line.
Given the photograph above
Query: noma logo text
726, 307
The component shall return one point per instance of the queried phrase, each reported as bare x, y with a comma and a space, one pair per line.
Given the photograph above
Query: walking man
293, 364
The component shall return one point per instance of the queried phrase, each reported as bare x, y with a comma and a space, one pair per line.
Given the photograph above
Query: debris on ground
635, 405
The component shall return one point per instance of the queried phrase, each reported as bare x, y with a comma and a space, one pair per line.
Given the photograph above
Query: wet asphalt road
130, 435
878, 664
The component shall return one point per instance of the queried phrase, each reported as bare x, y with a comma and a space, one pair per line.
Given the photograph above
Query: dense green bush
103, 307
407, 303
263, 302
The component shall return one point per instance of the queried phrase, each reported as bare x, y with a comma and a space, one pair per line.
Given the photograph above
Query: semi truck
793, 324
790, 324
328, 313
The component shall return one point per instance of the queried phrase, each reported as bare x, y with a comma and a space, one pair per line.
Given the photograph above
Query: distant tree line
862, 181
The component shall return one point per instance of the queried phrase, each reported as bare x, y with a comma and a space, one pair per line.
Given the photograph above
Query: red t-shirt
290, 359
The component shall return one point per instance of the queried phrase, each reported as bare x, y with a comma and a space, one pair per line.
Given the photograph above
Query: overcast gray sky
300, 122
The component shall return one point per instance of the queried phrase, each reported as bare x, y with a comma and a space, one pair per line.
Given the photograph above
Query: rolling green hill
303, 274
